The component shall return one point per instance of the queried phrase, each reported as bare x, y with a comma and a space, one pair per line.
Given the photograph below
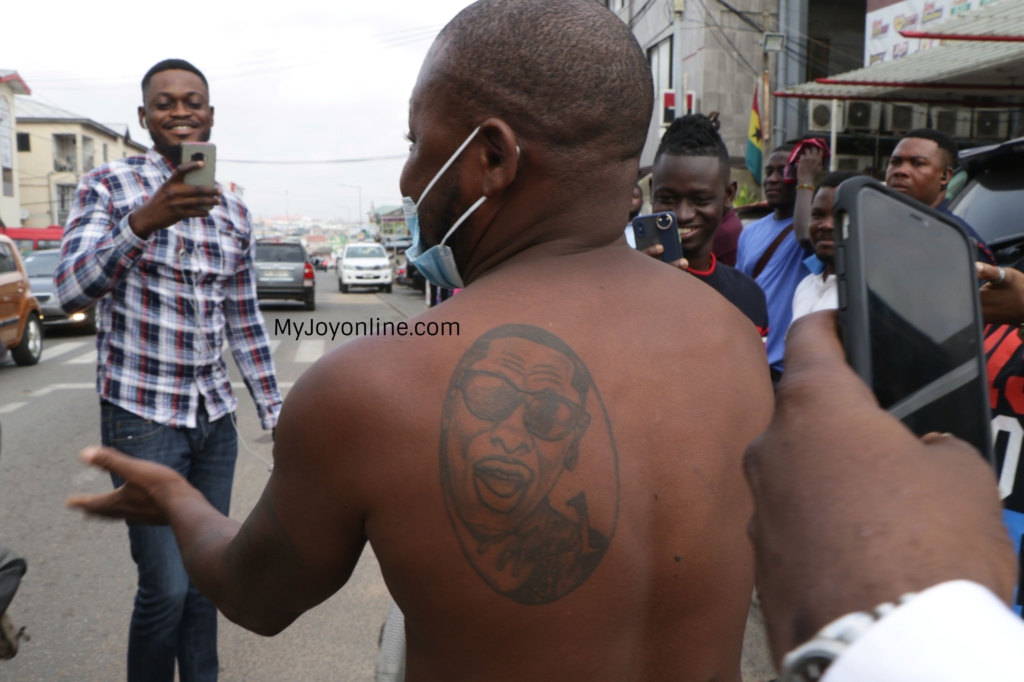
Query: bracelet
809, 661
806, 186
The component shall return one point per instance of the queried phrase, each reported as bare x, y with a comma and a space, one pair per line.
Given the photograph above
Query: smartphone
205, 152
658, 228
909, 313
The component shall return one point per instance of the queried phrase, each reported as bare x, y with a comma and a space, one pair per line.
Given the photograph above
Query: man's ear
730, 194
498, 157
947, 176
142, 117
211, 117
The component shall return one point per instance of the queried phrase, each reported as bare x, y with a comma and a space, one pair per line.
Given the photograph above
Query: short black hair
946, 143
169, 65
567, 72
693, 135
787, 148
836, 178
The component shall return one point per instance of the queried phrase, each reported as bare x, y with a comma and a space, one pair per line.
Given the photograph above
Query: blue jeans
172, 620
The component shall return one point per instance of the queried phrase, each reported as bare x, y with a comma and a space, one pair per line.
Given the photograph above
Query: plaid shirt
153, 360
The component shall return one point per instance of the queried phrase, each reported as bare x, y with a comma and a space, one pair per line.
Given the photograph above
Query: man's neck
830, 269
701, 260
784, 213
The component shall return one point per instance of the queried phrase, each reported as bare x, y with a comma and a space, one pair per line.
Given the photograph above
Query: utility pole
677, 57
766, 108
360, 201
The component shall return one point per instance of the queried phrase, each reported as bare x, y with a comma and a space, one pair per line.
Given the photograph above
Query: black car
283, 271
992, 199
40, 266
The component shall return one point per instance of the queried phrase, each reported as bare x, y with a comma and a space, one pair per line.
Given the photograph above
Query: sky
311, 80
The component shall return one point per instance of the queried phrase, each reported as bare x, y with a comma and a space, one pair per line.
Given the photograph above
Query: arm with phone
103, 241
657, 235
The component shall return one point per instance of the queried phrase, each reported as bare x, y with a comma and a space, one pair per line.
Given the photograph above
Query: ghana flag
755, 141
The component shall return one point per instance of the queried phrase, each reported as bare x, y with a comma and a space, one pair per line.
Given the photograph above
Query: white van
364, 264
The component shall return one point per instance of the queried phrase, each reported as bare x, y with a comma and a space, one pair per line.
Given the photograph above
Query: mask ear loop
447, 165
463, 218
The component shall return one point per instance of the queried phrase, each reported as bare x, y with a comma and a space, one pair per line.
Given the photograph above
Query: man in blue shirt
921, 167
770, 253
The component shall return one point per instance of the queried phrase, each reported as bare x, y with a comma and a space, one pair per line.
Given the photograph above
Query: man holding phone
171, 264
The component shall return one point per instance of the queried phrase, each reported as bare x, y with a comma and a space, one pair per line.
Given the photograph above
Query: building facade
55, 149
11, 84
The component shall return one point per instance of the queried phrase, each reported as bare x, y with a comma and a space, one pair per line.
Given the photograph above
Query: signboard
886, 18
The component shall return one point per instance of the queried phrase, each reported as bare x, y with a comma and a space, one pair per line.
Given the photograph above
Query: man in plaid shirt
172, 268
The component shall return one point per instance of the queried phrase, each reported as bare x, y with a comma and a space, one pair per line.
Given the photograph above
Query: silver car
283, 271
40, 266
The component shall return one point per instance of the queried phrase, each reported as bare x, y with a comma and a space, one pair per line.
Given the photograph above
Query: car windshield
365, 252
41, 264
280, 253
991, 203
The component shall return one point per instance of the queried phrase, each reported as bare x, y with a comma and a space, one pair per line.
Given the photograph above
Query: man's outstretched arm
297, 547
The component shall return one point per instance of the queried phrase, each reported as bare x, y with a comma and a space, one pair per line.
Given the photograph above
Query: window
280, 253
65, 153
7, 262
8, 182
615, 5
24, 142
105, 152
660, 57
65, 195
88, 154
365, 252
42, 265
25, 246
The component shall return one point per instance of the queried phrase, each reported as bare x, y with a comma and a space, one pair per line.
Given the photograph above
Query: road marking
280, 384
366, 298
274, 345
59, 387
85, 477
60, 349
11, 407
309, 351
88, 358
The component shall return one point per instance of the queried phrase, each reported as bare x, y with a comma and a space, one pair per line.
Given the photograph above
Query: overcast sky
312, 80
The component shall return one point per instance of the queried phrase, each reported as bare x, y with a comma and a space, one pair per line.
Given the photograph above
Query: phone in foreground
205, 152
909, 313
658, 228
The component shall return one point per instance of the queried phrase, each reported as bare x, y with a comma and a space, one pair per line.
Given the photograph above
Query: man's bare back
556, 493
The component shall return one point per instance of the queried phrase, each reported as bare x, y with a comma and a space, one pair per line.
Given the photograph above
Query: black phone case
650, 235
852, 290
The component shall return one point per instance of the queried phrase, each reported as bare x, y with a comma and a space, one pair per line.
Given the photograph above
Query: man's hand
851, 509
174, 202
809, 166
1001, 302
144, 496
656, 251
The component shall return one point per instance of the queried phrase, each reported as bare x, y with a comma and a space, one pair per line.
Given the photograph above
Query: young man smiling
172, 268
817, 291
691, 180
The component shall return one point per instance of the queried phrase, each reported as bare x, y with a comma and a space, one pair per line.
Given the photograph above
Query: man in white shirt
852, 512
817, 291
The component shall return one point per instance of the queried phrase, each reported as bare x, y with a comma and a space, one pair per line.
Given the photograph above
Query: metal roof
965, 67
14, 80
30, 110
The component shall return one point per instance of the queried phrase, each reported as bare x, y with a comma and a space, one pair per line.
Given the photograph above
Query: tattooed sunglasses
493, 398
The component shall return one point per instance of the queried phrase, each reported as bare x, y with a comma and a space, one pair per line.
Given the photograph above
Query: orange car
21, 326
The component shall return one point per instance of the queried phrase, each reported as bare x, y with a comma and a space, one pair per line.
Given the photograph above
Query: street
76, 599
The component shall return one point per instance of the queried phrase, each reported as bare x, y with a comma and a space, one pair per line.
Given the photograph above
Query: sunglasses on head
491, 397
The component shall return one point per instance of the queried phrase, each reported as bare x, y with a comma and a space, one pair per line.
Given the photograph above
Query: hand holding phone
659, 230
206, 152
909, 313
173, 202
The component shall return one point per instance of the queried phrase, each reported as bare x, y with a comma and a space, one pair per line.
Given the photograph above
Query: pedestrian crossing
302, 353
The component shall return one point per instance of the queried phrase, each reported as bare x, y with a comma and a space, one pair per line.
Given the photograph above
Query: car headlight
78, 317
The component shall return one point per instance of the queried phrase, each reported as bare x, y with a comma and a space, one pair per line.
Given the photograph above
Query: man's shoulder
115, 169
740, 280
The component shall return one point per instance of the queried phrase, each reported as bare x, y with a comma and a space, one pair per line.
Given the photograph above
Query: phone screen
924, 340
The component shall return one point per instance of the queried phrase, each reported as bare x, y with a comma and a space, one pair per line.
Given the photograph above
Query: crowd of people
587, 482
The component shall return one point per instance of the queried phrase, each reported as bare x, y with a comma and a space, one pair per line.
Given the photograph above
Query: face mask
436, 263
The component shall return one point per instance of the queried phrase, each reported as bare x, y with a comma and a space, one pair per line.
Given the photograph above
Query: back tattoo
529, 468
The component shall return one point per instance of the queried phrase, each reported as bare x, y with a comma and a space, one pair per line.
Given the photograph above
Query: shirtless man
556, 493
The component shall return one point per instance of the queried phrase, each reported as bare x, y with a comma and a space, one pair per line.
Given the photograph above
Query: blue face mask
438, 262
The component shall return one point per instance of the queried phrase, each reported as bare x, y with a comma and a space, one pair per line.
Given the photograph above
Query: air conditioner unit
819, 114
851, 162
902, 118
863, 116
954, 121
991, 124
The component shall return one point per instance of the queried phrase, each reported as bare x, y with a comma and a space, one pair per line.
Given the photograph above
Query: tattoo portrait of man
528, 464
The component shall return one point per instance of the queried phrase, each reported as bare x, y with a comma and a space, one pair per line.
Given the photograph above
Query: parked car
40, 266
992, 199
21, 328
29, 239
364, 265
283, 271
